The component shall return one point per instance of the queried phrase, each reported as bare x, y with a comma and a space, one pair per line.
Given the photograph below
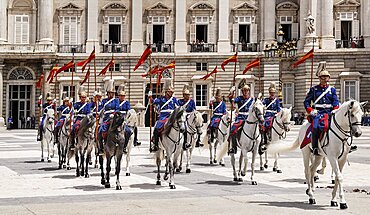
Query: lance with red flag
39, 82
253, 63
51, 75
87, 76
109, 65
308, 55
87, 61
233, 58
154, 71
144, 56
67, 66
214, 71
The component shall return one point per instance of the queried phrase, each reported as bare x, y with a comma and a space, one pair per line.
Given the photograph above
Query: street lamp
283, 50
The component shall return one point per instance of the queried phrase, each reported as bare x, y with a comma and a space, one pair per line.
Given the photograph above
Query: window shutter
25, 30
192, 33
337, 29
168, 35
149, 33
253, 33
73, 31
236, 33
66, 33
124, 34
105, 33
18, 29
212, 33
11, 34
295, 31
355, 29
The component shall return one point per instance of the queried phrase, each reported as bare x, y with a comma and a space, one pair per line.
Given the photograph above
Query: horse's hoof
214, 161
107, 185
222, 164
333, 181
307, 191
158, 183
69, 168
59, 167
254, 182
165, 177
77, 174
178, 170
90, 163
64, 166
242, 174
240, 179
118, 187
343, 206
274, 169
312, 201
316, 178
235, 179
42, 160
96, 166
210, 162
333, 204
188, 170
87, 175
266, 166
261, 168
49, 161
279, 171
172, 186
128, 174
102, 182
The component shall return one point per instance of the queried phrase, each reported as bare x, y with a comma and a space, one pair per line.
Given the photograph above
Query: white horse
281, 124
170, 144
335, 145
48, 135
194, 123
63, 149
220, 139
131, 122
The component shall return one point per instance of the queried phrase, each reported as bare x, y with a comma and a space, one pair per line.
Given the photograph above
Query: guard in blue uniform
218, 108
320, 101
273, 107
243, 102
110, 107
165, 106
50, 104
63, 111
189, 106
97, 99
80, 110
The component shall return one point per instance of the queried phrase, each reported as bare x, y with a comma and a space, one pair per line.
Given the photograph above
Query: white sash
186, 104
167, 102
323, 94
217, 106
273, 101
245, 103
78, 111
64, 109
122, 103
108, 102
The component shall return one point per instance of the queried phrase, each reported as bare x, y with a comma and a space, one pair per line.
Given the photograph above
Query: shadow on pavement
145, 186
223, 183
88, 187
299, 205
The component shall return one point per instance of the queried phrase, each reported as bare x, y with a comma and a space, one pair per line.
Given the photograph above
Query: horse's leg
254, 153
179, 167
118, 170
101, 163
42, 150
88, 158
166, 172
48, 150
128, 160
261, 162
323, 166
77, 163
306, 161
240, 172
232, 160
210, 142
158, 162
170, 163
107, 176
215, 151
316, 162
337, 167
276, 165
189, 153
266, 161
60, 156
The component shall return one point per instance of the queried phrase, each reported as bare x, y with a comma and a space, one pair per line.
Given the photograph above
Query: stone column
3, 21
310, 37
92, 26
223, 44
180, 41
327, 38
137, 26
2, 121
303, 13
365, 17
46, 21
269, 21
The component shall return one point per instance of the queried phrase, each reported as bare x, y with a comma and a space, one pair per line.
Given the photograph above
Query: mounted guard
97, 98
244, 102
218, 108
272, 107
63, 111
50, 104
320, 101
165, 106
110, 107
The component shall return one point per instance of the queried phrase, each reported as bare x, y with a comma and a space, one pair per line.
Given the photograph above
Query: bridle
283, 126
193, 129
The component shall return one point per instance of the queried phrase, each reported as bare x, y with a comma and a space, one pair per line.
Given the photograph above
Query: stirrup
353, 148
154, 148
315, 151
232, 150
137, 143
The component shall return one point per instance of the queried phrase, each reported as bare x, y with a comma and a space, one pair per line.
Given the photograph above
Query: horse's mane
86, 123
116, 121
198, 118
345, 104
175, 115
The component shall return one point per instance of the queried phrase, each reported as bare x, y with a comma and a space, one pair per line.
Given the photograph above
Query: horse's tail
205, 141
281, 146
223, 151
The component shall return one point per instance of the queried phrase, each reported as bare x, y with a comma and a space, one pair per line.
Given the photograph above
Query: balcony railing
206, 47
350, 43
115, 48
160, 47
71, 48
26, 48
246, 47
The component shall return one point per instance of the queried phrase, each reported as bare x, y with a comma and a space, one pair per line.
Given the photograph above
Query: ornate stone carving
245, 6
115, 6
203, 6
70, 6
21, 73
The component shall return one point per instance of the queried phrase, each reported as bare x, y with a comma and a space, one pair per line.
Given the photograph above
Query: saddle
239, 129
307, 137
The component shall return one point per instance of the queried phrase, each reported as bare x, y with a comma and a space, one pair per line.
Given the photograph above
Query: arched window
21, 73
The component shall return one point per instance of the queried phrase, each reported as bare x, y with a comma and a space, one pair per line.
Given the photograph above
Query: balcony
160, 47
202, 47
246, 47
26, 48
357, 43
115, 48
71, 48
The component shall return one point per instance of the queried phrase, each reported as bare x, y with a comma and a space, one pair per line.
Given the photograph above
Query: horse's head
180, 118
283, 118
131, 118
195, 121
117, 120
256, 110
50, 116
354, 115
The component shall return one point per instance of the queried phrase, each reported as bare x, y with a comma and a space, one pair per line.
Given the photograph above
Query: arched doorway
20, 96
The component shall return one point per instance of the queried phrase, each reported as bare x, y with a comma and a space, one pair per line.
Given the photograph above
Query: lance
96, 103
71, 95
313, 48
232, 102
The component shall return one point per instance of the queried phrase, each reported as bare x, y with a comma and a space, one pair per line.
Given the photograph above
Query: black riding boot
39, 134
155, 141
73, 139
56, 136
199, 143
100, 144
136, 143
264, 141
233, 149
315, 141
125, 144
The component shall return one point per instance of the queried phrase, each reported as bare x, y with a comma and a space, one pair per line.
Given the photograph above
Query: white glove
232, 89
40, 97
150, 93
71, 100
314, 112
54, 101
212, 99
111, 116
